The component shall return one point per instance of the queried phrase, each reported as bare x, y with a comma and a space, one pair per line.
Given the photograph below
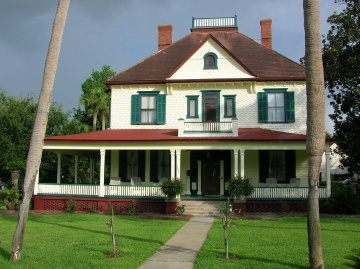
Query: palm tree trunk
315, 144
38, 134
94, 121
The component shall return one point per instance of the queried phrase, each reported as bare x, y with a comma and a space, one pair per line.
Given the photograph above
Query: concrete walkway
181, 250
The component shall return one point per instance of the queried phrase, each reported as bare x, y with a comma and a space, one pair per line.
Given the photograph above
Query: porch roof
171, 135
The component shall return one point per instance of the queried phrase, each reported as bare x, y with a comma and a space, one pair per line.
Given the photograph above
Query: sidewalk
181, 250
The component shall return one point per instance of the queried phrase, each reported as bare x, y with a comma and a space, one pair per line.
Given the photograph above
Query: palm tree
38, 134
315, 125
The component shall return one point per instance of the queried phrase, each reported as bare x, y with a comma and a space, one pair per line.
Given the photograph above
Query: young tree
341, 57
38, 134
315, 125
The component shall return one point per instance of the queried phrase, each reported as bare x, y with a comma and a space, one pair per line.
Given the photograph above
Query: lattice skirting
120, 205
276, 206
142, 205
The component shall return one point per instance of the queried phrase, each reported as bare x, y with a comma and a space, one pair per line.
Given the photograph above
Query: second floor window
276, 106
148, 108
229, 106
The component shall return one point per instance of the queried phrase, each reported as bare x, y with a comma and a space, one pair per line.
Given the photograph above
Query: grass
277, 243
84, 241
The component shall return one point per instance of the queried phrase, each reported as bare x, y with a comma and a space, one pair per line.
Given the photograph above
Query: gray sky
121, 33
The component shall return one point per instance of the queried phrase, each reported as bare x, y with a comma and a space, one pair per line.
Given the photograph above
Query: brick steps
201, 208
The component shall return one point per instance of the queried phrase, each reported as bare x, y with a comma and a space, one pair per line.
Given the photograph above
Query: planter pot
239, 206
171, 205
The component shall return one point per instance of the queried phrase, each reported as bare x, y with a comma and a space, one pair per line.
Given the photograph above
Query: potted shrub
172, 188
240, 187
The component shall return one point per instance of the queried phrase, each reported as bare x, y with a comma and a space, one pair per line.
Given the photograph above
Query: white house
213, 105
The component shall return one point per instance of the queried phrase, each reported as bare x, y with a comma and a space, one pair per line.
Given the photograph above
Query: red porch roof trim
171, 135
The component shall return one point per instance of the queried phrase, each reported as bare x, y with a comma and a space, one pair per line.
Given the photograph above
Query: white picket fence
155, 191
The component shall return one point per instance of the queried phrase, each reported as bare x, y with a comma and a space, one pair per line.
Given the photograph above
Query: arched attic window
210, 61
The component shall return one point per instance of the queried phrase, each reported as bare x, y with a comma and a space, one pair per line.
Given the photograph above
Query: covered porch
132, 167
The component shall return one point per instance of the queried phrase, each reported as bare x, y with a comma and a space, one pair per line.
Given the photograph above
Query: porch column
102, 173
76, 169
58, 176
222, 177
36, 187
328, 178
172, 158
242, 162
178, 163
199, 178
236, 162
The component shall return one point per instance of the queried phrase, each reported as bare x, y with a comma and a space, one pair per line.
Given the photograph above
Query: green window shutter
135, 109
263, 165
290, 106
262, 107
290, 164
161, 109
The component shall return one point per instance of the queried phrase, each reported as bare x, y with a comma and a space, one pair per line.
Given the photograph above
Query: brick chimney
165, 36
266, 38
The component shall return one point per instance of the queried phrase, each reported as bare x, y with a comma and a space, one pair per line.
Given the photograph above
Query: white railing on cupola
214, 22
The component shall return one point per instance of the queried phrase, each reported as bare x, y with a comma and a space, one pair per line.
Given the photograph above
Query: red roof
171, 135
263, 63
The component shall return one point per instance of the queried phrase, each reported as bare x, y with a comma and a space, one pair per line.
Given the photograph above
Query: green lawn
277, 243
84, 241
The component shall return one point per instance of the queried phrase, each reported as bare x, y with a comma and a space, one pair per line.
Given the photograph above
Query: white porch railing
68, 189
155, 191
284, 193
215, 127
147, 191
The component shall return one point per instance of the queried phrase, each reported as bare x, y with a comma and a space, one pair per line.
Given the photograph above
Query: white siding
194, 67
176, 104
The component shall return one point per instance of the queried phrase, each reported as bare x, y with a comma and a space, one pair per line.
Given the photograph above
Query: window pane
229, 107
192, 108
271, 100
279, 99
277, 165
210, 62
132, 164
144, 102
152, 102
276, 107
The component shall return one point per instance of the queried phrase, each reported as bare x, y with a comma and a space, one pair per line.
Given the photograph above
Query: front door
210, 177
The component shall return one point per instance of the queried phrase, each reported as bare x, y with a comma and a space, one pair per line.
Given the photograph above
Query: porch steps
201, 208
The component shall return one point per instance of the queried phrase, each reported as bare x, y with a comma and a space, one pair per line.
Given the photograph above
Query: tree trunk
38, 134
315, 144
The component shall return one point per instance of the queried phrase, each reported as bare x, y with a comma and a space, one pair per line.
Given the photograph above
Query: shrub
172, 188
71, 206
12, 200
133, 208
240, 186
342, 200
180, 210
